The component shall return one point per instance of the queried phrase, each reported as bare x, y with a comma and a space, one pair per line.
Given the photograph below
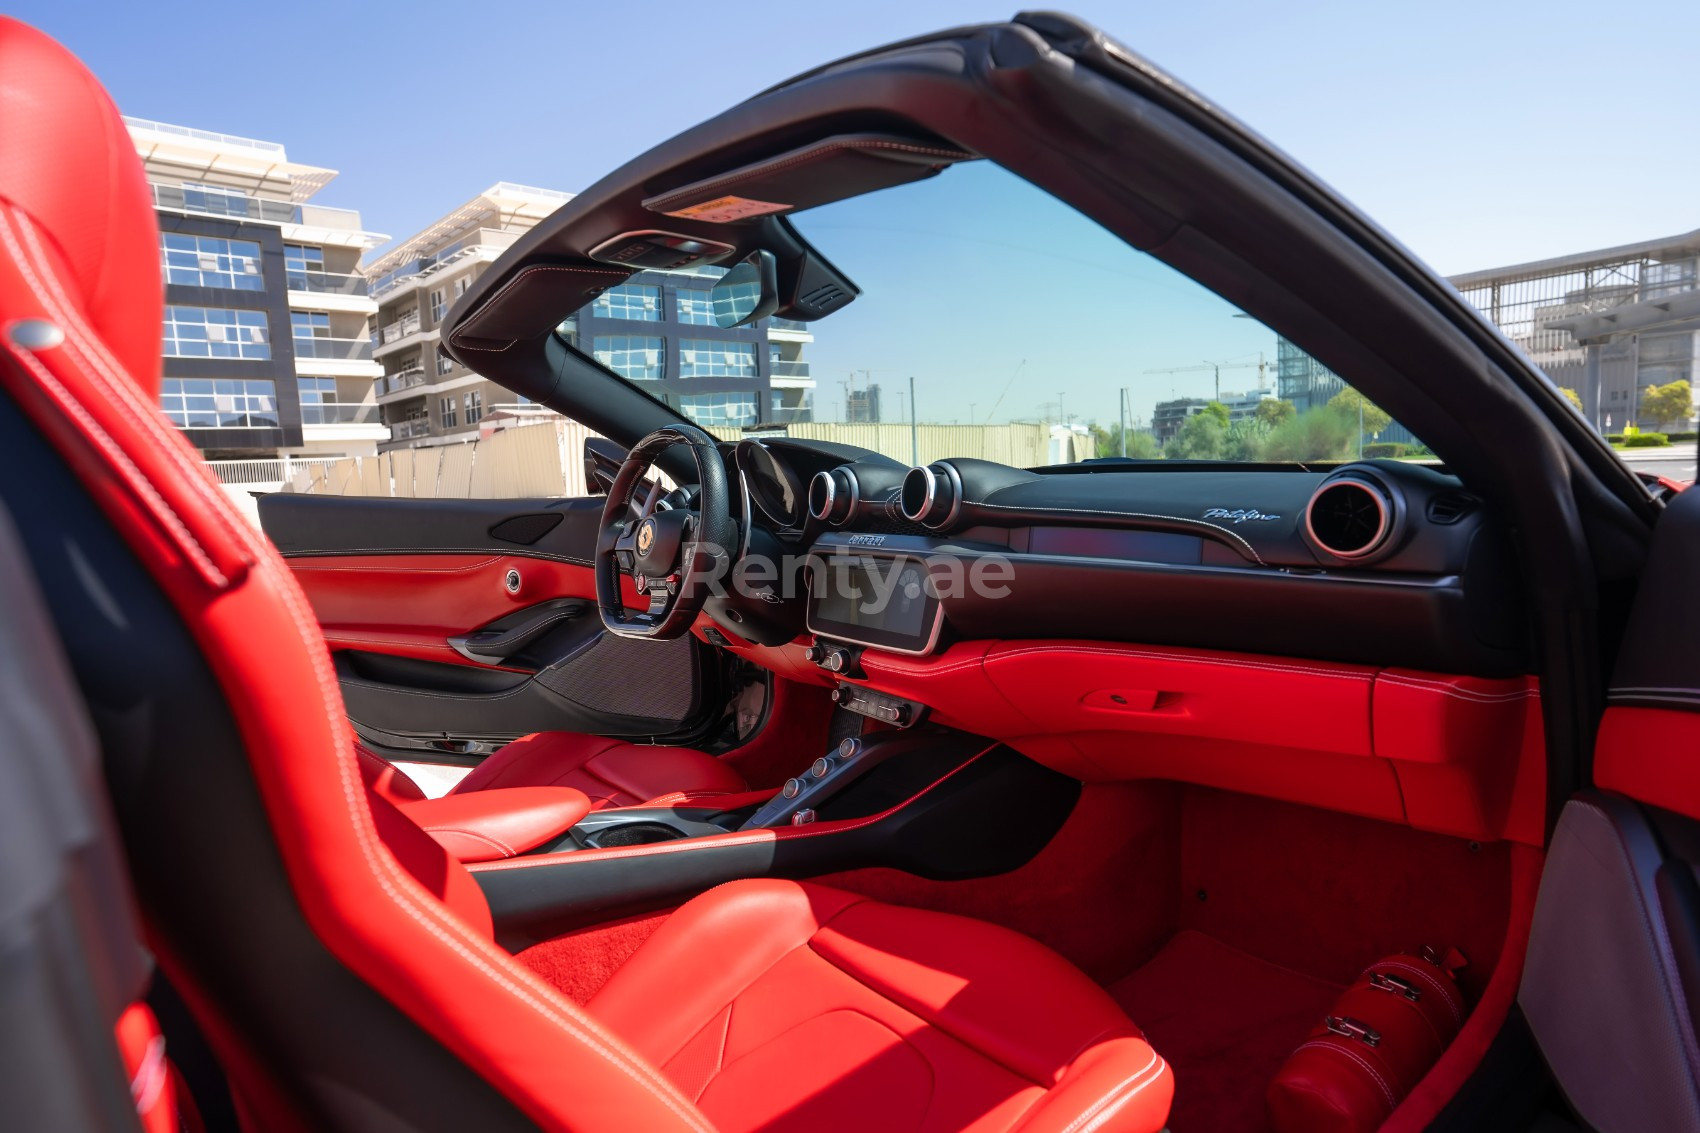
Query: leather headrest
67, 161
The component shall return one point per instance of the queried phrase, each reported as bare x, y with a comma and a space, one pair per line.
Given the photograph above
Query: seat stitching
138, 481
82, 339
507, 850
1153, 1068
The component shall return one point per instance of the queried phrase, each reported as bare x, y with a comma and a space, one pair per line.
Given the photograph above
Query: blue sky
1477, 133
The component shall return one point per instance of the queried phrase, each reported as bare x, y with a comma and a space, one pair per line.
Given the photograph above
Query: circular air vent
931, 495
833, 496
1350, 518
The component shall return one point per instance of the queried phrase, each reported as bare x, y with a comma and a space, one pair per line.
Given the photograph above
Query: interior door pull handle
488, 646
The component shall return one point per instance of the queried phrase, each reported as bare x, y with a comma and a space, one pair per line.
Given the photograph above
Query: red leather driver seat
610, 772
759, 1005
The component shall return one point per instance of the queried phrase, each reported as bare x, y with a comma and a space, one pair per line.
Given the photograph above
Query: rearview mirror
748, 292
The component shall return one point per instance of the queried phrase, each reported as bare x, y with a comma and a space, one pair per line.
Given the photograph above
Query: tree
1671, 402
1201, 435
1217, 410
1349, 401
1140, 444
1316, 434
1273, 411
1572, 397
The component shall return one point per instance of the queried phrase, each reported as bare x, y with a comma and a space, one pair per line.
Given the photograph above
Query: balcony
413, 427
789, 369
401, 380
487, 244
334, 349
401, 328
787, 324
215, 202
326, 283
338, 413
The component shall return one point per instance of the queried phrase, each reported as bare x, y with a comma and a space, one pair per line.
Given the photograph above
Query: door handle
498, 642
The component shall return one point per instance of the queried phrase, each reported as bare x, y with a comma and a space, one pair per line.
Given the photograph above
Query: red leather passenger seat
782, 1006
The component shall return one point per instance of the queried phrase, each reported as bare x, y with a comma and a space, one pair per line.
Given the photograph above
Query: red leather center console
503, 822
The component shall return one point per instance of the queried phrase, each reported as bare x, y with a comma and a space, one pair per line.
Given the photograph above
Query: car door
1612, 984
459, 624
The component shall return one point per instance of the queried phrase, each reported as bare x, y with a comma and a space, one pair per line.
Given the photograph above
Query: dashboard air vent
833, 496
1350, 517
931, 495
1450, 507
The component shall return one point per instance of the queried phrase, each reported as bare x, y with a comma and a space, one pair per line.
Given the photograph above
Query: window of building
310, 324
695, 308
215, 200
298, 260
474, 402
629, 301
719, 408
219, 403
461, 284
446, 412
439, 307
444, 363
211, 261
630, 356
216, 332
708, 358
1672, 278
321, 405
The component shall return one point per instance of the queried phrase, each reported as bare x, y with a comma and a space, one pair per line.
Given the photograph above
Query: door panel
458, 625
411, 605
1613, 975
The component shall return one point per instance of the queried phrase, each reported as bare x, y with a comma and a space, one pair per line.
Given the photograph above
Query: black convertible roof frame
1057, 102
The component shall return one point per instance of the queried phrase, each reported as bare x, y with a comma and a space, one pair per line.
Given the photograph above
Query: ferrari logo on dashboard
646, 536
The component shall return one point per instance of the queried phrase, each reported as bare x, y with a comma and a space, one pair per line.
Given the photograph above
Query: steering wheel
675, 555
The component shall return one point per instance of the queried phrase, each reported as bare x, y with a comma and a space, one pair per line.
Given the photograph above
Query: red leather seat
814, 994
782, 1007
610, 772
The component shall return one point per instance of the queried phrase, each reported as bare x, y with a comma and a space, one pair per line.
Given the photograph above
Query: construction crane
1217, 368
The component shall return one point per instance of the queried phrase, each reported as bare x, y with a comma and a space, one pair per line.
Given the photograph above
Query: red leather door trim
410, 605
1652, 755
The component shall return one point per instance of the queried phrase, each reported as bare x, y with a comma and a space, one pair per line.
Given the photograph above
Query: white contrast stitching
1368, 1067
1087, 1119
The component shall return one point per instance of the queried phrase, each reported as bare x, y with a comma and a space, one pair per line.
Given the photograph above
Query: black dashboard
1378, 562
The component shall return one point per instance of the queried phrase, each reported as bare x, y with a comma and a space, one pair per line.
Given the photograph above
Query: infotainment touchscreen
889, 603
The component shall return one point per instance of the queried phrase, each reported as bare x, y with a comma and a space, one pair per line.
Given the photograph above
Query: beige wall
545, 458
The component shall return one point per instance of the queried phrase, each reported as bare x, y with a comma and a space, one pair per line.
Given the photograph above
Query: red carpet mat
1226, 1021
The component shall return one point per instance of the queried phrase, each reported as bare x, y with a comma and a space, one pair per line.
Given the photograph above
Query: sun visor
833, 169
531, 303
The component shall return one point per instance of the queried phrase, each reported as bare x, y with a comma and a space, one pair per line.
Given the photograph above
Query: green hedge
1383, 450
1646, 440
1677, 438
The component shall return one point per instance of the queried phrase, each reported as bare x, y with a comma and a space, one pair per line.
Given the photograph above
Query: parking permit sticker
723, 209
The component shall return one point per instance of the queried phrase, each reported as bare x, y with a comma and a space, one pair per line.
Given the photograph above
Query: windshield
996, 322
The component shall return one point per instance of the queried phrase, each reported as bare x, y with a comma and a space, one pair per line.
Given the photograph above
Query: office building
656, 328
266, 331
1606, 323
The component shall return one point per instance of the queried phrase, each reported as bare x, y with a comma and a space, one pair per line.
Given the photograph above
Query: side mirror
748, 292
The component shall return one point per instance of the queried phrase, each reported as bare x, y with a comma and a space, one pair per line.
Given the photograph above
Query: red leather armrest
503, 822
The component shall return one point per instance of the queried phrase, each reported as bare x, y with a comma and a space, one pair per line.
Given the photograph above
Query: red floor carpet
1226, 1021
